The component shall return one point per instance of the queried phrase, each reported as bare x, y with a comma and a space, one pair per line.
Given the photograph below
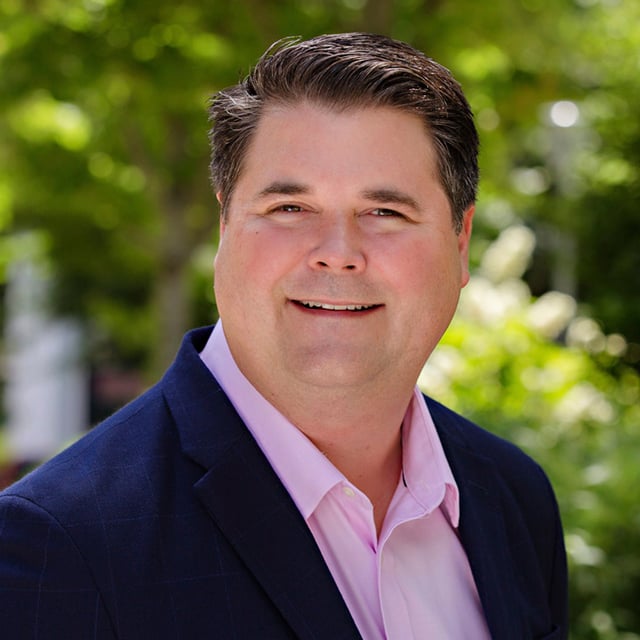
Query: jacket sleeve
558, 581
47, 591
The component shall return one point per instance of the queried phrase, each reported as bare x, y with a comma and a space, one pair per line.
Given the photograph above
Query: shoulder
499, 482
505, 473
59, 522
458, 432
509, 515
113, 453
123, 456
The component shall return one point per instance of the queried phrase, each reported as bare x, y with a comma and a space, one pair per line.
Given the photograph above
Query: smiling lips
308, 304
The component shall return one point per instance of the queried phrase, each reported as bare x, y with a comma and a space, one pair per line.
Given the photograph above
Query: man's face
338, 263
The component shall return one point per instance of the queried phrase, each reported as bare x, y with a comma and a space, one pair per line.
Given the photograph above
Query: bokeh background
109, 227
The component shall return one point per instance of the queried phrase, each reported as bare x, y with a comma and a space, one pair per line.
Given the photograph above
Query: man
285, 479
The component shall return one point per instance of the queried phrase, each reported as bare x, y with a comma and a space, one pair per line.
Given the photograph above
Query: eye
386, 213
287, 208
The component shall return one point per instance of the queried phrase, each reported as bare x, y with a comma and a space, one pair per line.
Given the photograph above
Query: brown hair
350, 70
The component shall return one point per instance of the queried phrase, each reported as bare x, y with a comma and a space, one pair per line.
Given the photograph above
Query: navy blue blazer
166, 521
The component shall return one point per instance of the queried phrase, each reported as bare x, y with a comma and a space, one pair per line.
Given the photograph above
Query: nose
338, 248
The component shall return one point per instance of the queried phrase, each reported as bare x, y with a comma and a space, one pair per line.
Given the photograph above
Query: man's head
350, 71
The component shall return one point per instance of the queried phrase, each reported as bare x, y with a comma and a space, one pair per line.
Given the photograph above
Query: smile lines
337, 307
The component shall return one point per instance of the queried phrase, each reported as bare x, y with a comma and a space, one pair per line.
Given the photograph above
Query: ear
222, 216
464, 238
222, 228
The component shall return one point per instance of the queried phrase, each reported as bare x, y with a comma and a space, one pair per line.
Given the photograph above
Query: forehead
310, 109
292, 133
335, 154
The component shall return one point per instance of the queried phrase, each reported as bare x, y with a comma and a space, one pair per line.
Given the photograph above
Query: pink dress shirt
412, 582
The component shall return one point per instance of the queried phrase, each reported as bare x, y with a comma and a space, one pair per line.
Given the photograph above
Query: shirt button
348, 491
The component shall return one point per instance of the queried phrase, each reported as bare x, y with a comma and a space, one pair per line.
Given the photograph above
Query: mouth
355, 308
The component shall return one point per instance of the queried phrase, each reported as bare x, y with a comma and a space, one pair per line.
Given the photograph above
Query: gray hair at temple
345, 71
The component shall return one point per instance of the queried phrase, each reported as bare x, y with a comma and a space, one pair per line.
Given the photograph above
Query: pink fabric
412, 582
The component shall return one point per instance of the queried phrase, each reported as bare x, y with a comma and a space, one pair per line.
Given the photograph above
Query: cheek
251, 260
231, 271
410, 265
427, 275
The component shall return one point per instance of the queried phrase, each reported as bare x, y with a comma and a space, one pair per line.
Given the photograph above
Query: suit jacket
166, 521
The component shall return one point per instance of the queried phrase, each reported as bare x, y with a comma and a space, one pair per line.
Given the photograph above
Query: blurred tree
105, 120
554, 86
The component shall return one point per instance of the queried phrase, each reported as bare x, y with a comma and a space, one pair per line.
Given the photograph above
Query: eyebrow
284, 189
382, 194
391, 196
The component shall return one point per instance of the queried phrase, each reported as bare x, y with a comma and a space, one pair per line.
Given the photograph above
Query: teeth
336, 307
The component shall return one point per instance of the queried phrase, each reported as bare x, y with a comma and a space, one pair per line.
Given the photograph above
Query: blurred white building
46, 389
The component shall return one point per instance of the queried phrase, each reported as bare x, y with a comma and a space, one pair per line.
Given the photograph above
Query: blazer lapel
255, 512
482, 529
251, 507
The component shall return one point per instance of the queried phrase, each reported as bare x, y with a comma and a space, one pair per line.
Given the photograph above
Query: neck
372, 464
360, 434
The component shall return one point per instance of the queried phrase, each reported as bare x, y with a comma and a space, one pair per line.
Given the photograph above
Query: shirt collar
427, 474
305, 472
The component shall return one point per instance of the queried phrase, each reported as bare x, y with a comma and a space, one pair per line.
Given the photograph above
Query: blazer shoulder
124, 454
501, 483
110, 455
456, 430
470, 448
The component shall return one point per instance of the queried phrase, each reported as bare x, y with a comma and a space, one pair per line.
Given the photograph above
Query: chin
344, 372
